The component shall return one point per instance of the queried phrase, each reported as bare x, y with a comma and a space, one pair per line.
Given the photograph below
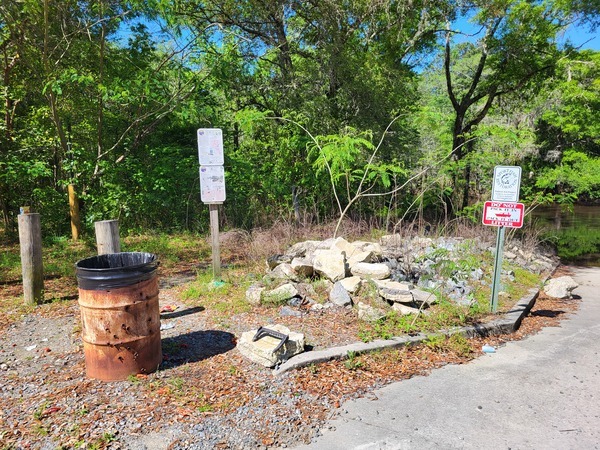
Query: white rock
331, 264
394, 285
359, 257
560, 287
284, 271
351, 284
396, 295
404, 310
261, 351
343, 245
281, 294
376, 271
254, 294
372, 247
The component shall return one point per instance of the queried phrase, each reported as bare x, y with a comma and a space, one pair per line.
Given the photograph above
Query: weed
40, 430
177, 384
205, 407
133, 379
456, 343
39, 413
352, 363
435, 342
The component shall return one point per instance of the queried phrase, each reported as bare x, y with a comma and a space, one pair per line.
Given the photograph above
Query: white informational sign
503, 214
507, 184
212, 184
210, 146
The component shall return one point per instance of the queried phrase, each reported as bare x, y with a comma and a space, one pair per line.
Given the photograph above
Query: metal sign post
212, 187
497, 269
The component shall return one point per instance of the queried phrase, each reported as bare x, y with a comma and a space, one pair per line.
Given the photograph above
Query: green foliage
576, 242
577, 176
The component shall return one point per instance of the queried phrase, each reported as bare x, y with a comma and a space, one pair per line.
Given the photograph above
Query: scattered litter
488, 349
166, 326
31, 347
169, 308
218, 284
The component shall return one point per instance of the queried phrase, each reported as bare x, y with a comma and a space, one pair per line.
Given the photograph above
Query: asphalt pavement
542, 392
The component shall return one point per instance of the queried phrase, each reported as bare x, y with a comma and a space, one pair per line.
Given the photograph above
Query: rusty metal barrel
120, 315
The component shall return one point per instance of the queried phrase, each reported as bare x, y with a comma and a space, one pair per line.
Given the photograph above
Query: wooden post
74, 211
30, 239
214, 237
107, 236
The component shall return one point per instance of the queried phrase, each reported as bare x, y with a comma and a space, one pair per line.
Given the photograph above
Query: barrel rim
152, 260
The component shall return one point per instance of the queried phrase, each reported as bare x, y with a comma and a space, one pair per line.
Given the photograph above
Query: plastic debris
488, 349
168, 308
166, 326
31, 347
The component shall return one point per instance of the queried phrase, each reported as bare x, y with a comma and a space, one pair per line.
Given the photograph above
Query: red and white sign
503, 214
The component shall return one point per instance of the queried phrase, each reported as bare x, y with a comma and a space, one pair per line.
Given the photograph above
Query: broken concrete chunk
262, 351
351, 284
372, 247
377, 271
396, 295
394, 285
331, 264
254, 294
284, 271
359, 257
404, 310
303, 267
281, 294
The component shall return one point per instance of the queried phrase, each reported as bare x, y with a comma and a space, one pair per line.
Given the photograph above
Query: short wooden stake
30, 239
107, 236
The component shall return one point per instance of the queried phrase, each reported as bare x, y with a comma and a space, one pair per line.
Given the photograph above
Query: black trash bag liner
115, 270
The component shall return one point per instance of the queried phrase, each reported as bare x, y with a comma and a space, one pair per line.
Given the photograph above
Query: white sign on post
210, 146
212, 184
507, 184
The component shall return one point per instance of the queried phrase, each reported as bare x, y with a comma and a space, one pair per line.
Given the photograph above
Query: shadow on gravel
195, 346
183, 312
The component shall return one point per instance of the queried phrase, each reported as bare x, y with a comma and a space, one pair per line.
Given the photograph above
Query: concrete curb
509, 323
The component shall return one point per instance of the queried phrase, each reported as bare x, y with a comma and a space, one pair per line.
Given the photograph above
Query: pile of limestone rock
347, 267
403, 274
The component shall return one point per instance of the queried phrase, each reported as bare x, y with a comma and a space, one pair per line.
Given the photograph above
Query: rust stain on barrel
121, 330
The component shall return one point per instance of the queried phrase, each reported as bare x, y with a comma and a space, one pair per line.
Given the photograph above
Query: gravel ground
205, 395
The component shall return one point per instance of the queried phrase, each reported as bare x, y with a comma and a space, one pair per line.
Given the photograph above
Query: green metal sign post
497, 269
